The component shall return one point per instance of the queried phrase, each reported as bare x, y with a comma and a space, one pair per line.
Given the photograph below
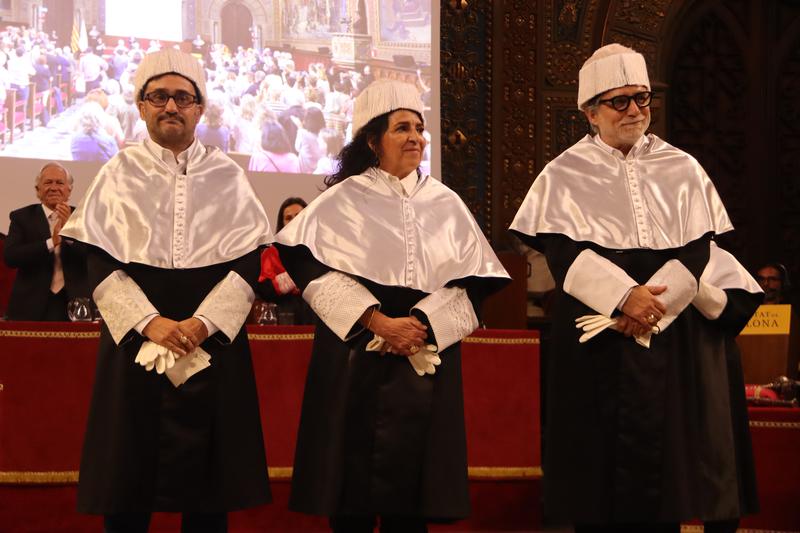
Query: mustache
171, 116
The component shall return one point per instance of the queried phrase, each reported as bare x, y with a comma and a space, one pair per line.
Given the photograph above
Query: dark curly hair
358, 156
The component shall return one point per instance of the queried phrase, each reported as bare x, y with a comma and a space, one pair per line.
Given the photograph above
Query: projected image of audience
280, 97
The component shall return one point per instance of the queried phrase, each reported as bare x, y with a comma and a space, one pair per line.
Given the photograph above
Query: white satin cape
130, 210
364, 227
585, 194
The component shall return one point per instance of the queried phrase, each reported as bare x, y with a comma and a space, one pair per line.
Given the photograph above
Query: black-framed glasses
622, 101
160, 98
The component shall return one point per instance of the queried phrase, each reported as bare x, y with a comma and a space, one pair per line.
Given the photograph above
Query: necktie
57, 283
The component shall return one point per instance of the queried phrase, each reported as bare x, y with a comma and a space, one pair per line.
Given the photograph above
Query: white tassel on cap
381, 97
610, 67
166, 61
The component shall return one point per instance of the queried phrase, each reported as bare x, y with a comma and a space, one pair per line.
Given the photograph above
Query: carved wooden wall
733, 72
728, 80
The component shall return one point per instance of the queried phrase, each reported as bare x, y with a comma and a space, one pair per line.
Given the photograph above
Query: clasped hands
404, 336
170, 340
640, 315
63, 212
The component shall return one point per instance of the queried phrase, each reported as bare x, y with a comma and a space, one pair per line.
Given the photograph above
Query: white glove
592, 325
423, 362
152, 355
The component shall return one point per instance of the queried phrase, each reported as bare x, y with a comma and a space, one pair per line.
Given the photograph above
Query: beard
772, 296
169, 134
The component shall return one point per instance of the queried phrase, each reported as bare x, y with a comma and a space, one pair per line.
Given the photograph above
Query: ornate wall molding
466, 83
568, 35
515, 94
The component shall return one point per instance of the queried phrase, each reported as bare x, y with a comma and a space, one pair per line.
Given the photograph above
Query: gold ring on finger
184, 339
414, 349
651, 318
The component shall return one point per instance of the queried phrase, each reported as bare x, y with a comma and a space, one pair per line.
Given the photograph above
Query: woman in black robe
395, 268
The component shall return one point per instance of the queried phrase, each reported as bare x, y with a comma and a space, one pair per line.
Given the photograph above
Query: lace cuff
597, 282
122, 303
681, 290
339, 301
450, 314
710, 300
228, 304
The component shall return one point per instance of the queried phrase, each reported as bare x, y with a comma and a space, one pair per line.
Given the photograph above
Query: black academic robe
26, 250
635, 435
723, 330
374, 437
150, 446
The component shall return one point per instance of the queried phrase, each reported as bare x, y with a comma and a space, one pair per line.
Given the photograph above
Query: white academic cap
383, 96
170, 61
610, 67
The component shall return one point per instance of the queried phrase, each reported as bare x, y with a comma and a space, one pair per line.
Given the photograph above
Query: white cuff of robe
122, 304
227, 305
597, 282
710, 300
339, 301
450, 314
681, 290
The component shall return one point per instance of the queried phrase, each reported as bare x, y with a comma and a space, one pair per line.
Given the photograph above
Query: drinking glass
79, 310
267, 313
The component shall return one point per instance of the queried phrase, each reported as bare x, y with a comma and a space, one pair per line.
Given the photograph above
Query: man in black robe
175, 232
639, 430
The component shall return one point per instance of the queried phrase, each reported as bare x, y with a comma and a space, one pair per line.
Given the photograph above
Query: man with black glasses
174, 232
639, 425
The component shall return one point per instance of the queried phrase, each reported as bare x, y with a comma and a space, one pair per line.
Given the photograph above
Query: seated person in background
774, 279
307, 143
109, 122
91, 143
274, 283
334, 142
51, 269
214, 132
276, 153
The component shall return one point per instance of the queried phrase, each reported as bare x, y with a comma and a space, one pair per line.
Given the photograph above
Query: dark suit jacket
26, 250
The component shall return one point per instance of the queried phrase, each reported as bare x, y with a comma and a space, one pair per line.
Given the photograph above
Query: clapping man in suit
51, 270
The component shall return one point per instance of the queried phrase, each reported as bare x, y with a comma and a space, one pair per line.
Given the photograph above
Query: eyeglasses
622, 101
160, 98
